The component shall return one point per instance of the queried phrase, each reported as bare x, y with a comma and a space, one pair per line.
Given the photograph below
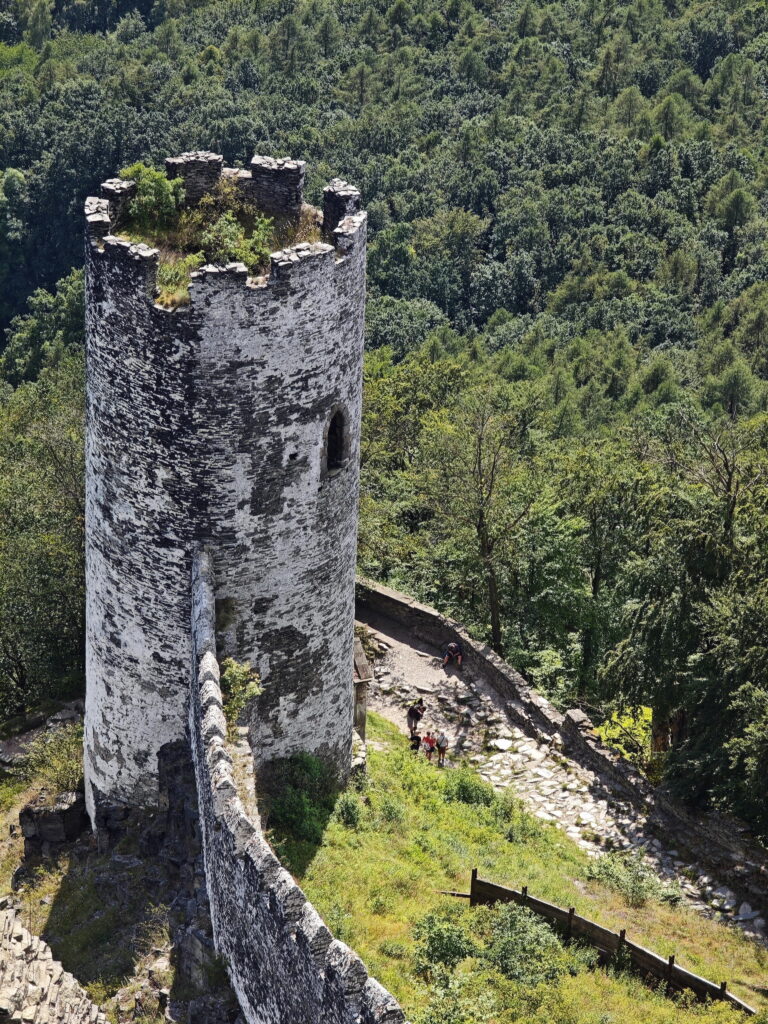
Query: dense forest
566, 439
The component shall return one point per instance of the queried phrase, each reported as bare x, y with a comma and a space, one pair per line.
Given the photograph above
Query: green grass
10, 788
373, 882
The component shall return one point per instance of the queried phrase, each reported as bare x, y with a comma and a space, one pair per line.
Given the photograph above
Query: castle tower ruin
231, 424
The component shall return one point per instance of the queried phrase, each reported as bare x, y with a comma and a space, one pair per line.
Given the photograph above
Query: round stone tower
231, 423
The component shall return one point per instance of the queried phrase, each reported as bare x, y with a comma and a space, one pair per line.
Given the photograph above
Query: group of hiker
429, 742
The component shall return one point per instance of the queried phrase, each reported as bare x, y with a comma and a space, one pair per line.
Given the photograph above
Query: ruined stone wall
720, 845
283, 963
209, 424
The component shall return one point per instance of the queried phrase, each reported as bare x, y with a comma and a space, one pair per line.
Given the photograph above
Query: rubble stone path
35, 988
472, 714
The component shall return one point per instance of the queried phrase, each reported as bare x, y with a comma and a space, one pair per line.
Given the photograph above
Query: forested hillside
566, 439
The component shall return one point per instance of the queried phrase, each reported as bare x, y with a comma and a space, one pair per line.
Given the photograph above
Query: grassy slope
373, 882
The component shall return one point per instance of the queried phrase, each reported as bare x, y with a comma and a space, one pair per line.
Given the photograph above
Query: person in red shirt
429, 743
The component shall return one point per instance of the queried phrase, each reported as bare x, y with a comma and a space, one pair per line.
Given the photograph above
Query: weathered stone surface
276, 185
199, 171
35, 987
209, 424
282, 961
46, 827
340, 200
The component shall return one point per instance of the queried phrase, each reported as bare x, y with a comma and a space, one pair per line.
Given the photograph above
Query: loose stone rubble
556, 788
35, 988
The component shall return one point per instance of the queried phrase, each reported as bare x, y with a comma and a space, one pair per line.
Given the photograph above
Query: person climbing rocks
415, 715
442, 747
454, 652
429, 743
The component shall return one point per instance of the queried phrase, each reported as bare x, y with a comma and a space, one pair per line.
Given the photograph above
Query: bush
521, 946
630, 876
301, 798
225, 241
240, 685
158, 199
464, 786
227, 228
391, 811
516, 822
441, 943
55, 759
348, 810
173, 275
394, 950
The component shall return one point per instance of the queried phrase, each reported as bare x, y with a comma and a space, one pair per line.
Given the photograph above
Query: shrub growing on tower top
158, 199
222, 228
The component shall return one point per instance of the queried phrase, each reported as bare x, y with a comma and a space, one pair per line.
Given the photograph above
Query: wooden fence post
525, 894
723, 989
473, 888
670, 969
571, 912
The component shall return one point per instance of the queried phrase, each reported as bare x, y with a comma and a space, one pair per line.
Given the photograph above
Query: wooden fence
605, 940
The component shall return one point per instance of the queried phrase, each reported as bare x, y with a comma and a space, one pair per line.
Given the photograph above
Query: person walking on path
415, 742
442, 747
415, 715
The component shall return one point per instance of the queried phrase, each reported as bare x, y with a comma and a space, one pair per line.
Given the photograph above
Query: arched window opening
335, 449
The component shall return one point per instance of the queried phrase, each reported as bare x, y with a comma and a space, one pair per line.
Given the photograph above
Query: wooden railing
608, 942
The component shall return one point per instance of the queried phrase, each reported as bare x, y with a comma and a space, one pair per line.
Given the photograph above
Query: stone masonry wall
140, 366
208, 424
718, 844
273, 371
283, 963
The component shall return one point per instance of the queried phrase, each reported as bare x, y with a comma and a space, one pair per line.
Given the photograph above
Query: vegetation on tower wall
565, 437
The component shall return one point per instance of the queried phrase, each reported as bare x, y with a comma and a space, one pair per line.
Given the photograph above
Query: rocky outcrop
35, 988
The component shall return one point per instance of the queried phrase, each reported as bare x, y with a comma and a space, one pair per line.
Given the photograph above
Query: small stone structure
47, 827
231, 422
35, 988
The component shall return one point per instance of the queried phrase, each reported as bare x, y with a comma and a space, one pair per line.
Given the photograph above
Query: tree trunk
486, 553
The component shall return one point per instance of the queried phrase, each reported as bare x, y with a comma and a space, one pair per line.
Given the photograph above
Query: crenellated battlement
278, 185
199, 171
274, 186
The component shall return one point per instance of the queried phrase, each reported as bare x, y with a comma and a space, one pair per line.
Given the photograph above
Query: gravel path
557, 789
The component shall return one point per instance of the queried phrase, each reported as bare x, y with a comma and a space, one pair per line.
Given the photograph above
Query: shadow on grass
99, 913
297, 796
